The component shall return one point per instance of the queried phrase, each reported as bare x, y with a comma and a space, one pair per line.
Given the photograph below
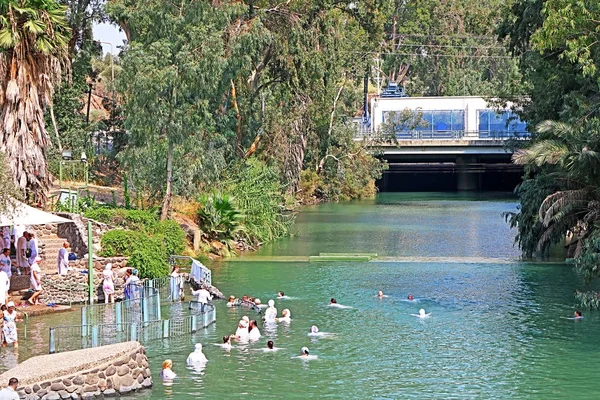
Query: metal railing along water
76, 337
143, 306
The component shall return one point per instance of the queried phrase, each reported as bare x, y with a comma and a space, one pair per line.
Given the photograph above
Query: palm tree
34, 36
572, 155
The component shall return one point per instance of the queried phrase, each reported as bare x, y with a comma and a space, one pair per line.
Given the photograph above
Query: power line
447, 46
401, 35
425, 55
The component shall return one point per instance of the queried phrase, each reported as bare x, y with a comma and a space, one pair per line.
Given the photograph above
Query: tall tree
34, 36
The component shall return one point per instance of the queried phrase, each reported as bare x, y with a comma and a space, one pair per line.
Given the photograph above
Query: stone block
52, 396
90, 388
36, 387
101, 375
75, 396
132, 364
78, 380
57, 386
135, 373
71, 388
109, 393
66, 382
91, 379
147, 373
64, 394
147, 383
42, 392
123, 370
126, 380
28, 390
140, 378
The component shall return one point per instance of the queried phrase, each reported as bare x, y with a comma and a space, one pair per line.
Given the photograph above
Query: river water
498, 326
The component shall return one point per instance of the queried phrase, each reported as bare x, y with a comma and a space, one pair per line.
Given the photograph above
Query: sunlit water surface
498, 326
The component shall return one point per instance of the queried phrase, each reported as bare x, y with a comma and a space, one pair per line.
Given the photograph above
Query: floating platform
359, 257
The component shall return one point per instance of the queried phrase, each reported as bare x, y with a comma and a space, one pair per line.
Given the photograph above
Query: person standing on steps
35, 281
63, 259
5, 262
33, 248
22, 260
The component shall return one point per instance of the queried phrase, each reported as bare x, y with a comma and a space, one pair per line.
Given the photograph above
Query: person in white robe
63, 259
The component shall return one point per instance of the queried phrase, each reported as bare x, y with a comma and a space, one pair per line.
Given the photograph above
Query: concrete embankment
82, 374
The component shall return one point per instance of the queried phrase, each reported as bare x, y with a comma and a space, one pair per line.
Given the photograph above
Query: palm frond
548, 151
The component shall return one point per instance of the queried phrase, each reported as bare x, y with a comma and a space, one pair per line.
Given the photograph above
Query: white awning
22, 214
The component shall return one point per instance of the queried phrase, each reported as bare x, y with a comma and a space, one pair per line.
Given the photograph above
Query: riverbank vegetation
558, 46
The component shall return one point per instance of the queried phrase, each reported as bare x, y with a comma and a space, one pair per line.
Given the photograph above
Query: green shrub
139, 220
120, 242
219, 217
171, 235
259, 197
150, 259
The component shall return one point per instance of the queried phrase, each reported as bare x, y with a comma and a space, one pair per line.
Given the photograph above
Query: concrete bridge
458, 143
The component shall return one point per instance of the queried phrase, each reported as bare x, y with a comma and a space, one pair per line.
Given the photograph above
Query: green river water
498, 327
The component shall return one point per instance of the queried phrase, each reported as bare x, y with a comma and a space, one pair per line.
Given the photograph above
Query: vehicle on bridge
450, 117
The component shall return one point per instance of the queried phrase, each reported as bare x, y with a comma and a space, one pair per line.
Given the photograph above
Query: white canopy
22, 214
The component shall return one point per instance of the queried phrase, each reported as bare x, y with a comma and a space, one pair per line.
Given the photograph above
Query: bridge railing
145, 306
451, 135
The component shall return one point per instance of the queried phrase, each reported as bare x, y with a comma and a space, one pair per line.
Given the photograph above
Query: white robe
63, 261
4, 286
196, 357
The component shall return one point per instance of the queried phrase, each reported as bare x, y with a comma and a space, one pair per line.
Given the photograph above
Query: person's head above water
314, 329
198, 347
410, 297
270, 344
280, 294
577, 314
380, 293
226, 339
271, 303
286, 313
304, 351
333, 301
257, 302
245, 318
167, 364
245, 297
422, 312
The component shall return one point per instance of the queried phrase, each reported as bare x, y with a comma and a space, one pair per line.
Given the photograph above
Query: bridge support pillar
465, 179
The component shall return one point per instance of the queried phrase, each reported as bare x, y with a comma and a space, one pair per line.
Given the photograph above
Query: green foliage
120, 242
171, 236
139, 220
259, 196
150, 259
220, 218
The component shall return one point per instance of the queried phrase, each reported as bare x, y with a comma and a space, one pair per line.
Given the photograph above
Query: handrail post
52, 341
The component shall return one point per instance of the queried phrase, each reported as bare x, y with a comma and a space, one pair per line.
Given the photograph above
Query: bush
120, 242
140, 220
219, 217
171, 235
259, 197
150, 259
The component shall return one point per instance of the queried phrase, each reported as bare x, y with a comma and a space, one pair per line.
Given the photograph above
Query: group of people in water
248, 331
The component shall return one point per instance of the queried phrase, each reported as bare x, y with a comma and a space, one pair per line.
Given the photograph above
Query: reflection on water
497, 329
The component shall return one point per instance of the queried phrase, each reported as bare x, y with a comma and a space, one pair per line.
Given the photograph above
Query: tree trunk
167, 200
295, 157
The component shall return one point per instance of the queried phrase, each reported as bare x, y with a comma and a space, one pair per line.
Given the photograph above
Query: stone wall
77, 233
73, 287
99, 372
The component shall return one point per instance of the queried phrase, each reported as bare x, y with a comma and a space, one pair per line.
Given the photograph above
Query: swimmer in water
410, 297
226, 342
421, 314
380, 294
286, 316
280, 294
577, 315
270, 345
333, 301
167, 373
314, 329
304, 352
